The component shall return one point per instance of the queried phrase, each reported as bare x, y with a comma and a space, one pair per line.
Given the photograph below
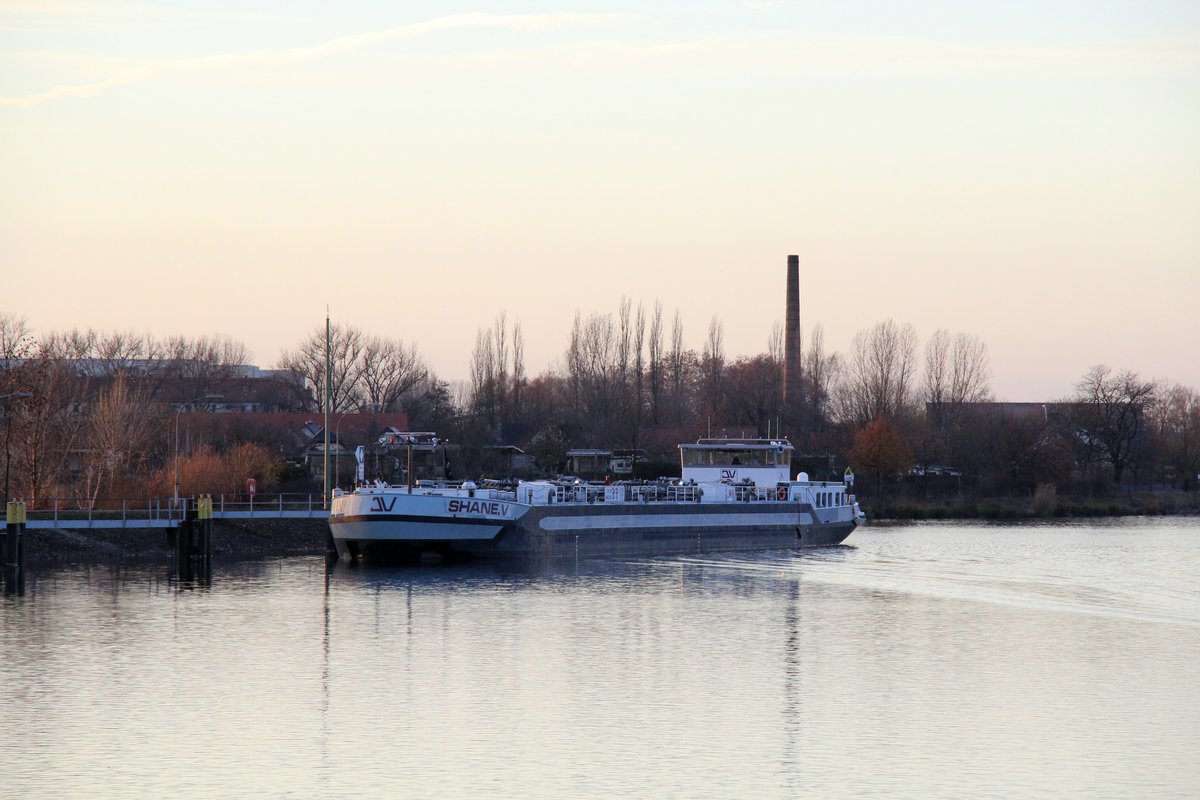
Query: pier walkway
166, 512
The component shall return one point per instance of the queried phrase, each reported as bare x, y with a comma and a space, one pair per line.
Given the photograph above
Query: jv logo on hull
729, 474
379, 505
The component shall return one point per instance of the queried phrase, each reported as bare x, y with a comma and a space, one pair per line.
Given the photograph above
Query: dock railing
268, 506
166, 512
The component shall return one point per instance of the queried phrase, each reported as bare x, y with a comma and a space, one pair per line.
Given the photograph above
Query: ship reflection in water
923, 661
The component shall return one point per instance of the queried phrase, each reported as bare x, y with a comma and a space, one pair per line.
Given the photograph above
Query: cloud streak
747, 51
93, 16
528, 23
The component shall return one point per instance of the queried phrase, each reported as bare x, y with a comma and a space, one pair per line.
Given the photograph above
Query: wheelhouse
763, 462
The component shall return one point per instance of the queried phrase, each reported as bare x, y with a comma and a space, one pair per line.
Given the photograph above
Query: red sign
251, 486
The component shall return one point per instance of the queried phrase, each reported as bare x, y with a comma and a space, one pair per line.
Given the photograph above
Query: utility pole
328, 399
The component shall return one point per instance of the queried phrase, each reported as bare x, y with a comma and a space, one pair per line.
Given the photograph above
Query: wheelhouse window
734, 457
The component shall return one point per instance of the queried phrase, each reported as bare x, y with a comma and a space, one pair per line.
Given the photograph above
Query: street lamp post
177, 413
337, 454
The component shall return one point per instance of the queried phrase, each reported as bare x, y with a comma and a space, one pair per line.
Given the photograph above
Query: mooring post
14, 548
205, 554
184, 541
331, 553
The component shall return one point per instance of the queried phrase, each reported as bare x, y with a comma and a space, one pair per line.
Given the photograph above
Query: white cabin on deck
765, 462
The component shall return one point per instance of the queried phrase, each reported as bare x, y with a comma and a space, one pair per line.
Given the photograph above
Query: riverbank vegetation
93, 415
1037, 506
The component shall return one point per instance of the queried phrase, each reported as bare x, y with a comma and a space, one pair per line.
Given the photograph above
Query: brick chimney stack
792, 387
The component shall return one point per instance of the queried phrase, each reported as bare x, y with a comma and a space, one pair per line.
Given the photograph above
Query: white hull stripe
652, 522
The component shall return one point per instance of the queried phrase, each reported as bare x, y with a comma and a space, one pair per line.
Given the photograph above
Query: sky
1026, 172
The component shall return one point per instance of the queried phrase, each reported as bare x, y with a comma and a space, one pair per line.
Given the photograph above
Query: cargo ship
734, 494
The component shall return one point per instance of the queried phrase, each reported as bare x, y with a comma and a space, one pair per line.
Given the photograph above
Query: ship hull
591, 530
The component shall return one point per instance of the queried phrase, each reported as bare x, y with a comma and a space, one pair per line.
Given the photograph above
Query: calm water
926, 661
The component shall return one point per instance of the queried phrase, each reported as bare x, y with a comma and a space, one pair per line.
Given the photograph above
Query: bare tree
1178, 428
957, 371
573, 365
624, 354
430, 406
118, 434
344, 351
500, 343
16, 345
821, 373
752, 392
878, 380
518, 371
53, 396
496, 392
639, 373
484, 400
195, 367
122, 352
73, 345
656, 361
16, 340
775, 343
714, 364
677, 370
459, 393
1110, 411
629, 368
971, 373
387, 371
599, 355
624, 380
592, 373
548, 398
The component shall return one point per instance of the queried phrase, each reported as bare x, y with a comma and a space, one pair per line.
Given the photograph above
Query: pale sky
1028, 172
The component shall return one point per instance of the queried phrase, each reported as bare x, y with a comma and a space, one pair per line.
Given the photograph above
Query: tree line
88, 414
93, 414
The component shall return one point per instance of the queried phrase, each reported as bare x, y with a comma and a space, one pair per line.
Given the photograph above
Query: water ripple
918, 661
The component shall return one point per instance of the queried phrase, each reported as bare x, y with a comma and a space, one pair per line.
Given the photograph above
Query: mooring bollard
193, 541
14, 548
184, 542
205, 513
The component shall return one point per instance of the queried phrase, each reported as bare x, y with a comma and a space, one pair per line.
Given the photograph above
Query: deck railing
623, 493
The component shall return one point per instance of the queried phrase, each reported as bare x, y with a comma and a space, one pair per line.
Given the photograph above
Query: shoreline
1035, 507
250, 539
